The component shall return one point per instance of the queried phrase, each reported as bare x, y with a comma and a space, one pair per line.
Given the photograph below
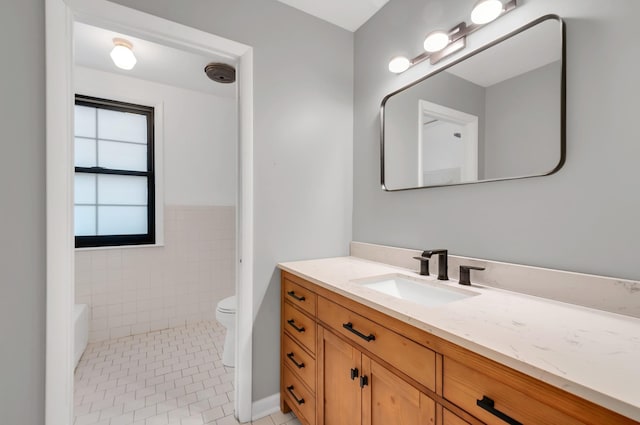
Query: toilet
226, 315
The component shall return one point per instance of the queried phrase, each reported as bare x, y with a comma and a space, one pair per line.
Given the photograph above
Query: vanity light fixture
399, 64
440, 44
122, 54
486, 11
436, 41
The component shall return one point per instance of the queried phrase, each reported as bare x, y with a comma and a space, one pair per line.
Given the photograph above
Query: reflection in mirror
496, 114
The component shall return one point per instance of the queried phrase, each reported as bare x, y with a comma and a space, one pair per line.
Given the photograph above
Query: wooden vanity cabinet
343, 363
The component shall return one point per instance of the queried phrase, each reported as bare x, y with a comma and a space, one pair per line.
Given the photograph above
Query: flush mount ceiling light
122, 55
440, 44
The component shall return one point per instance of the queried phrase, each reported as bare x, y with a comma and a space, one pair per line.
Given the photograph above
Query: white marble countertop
587, 352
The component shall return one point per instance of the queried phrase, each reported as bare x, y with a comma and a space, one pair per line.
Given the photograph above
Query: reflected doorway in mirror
448, 145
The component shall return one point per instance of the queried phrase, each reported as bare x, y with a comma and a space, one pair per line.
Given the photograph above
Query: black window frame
148, 238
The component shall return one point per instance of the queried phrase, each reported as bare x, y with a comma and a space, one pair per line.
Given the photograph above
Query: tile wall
137, 290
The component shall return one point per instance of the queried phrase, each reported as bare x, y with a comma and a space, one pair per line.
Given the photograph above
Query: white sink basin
421, 292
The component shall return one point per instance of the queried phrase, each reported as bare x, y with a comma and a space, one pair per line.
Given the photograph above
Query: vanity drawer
300, 297
466, 387
298, 398
414, 360
301, 363
300, 326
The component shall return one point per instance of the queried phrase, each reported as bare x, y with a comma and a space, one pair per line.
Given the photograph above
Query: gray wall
303, 131
401, 123
585, 217
22, 224
523, 124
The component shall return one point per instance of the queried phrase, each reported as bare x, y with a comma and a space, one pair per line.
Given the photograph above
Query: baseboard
265, 407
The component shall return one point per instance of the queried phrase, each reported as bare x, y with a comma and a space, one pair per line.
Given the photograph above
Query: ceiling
529, 50
348, 14
158, 63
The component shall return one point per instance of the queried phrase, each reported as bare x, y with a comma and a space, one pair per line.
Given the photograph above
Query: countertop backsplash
619, 296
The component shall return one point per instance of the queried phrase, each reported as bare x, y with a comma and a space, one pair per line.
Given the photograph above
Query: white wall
303, 131
200, 135
583, 218
137, 289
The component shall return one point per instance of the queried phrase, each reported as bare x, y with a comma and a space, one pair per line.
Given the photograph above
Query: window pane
122, 156
85, 191
85, 153
122, 220
85, 121
85, 221
129, 190
123, 126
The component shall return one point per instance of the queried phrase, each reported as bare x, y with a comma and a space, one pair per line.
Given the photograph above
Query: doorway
61, 16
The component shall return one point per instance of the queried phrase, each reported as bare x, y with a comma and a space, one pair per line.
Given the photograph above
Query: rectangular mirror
495, 114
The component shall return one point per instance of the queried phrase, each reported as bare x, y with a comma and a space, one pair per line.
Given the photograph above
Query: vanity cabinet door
339, 381
449, 418
387, 399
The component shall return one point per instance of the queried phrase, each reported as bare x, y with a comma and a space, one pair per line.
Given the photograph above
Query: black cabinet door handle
354, 373
364, 381
489, 405
292, 294
292, 323
349, 327
295, 397
298, 365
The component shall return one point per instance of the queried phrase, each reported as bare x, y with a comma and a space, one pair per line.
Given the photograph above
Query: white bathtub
81, 331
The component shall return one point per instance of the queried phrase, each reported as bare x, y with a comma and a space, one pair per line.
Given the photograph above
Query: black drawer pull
349, 327
298, 365
298, 400
292, 323
354, 373
489, 405
292, 294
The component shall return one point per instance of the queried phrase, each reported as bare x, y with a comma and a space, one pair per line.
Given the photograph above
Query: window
114, 173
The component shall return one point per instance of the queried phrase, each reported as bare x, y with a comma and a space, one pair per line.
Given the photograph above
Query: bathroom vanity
354, 351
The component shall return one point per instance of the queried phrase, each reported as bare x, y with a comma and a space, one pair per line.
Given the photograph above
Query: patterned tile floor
169, 377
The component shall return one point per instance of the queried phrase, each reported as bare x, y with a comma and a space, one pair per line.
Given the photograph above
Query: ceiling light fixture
440, 44
122, 55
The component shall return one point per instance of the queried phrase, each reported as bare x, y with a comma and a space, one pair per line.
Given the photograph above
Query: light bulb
122, 55
436, 41
399, 64
486, 11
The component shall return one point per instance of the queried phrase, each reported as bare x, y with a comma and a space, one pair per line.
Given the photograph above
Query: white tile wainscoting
133, 290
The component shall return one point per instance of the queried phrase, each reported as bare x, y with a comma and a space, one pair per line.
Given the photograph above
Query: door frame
59, 18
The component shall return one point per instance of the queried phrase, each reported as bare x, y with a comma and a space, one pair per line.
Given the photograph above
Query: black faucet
443, 263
